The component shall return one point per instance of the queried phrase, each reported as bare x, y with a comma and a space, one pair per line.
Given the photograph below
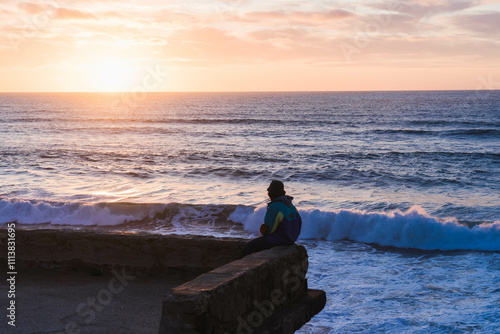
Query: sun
112, 75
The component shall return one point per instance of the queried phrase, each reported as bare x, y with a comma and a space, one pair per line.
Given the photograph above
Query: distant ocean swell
479, 132
393, 168
139, 126
411, 229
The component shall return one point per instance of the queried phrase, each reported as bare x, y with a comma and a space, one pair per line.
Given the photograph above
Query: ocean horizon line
252, 91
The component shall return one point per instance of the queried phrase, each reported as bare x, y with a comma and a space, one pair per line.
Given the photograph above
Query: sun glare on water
112, 75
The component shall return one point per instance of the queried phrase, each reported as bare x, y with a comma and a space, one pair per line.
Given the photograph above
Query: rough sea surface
399, 191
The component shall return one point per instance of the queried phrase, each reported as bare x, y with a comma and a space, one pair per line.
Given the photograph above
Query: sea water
399, 191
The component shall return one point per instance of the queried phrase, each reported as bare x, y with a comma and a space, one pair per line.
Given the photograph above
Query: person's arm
272, 219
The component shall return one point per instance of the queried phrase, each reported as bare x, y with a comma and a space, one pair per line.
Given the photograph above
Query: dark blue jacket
283, 221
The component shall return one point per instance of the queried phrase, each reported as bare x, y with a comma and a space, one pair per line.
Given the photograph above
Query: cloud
485, 24
5, 12
421, 51
73, 14
332, 14
298, 17
247, 33
31, 8
170, 16
52, 9
207, 45
425, 8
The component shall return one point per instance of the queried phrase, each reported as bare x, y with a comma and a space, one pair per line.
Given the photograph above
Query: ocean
399, 191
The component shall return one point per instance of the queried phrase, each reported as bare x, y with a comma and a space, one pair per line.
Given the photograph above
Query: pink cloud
73, 14
169, 16
279, 35
62, 13
426, 8
300, 17
486, 23
30, 8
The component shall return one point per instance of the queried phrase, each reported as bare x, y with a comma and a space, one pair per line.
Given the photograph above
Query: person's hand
263, 229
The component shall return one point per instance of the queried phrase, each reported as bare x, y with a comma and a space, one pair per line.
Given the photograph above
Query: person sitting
282, 223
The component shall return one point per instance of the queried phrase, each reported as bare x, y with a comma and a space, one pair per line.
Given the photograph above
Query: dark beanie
276, 188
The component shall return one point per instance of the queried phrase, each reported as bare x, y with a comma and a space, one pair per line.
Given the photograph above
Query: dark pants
264, 242
256, 245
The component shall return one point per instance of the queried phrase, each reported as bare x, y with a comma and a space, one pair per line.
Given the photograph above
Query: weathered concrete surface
245, 296
265, 292
56, 301
138, 253
291, 318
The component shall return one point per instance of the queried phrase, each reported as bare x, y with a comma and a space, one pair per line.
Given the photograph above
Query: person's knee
246, 250
255, 245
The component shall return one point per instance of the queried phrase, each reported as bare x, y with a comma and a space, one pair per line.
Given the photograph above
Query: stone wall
246, 296
262, 293
138, 253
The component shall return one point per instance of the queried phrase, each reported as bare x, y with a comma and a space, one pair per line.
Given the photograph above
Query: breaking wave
413, 228
35, 212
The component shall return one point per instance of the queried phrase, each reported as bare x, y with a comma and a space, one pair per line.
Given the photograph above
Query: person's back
282, 223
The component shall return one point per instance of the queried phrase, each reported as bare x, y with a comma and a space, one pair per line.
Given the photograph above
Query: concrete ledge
138, 253
245, 296
265, 292
291, 318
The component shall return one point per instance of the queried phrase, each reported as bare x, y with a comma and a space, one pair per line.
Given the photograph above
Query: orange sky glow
248, 45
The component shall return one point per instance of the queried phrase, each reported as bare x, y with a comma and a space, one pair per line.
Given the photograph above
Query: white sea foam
411, 229
27, 212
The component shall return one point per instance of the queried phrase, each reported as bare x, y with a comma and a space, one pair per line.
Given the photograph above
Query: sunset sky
281, 45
